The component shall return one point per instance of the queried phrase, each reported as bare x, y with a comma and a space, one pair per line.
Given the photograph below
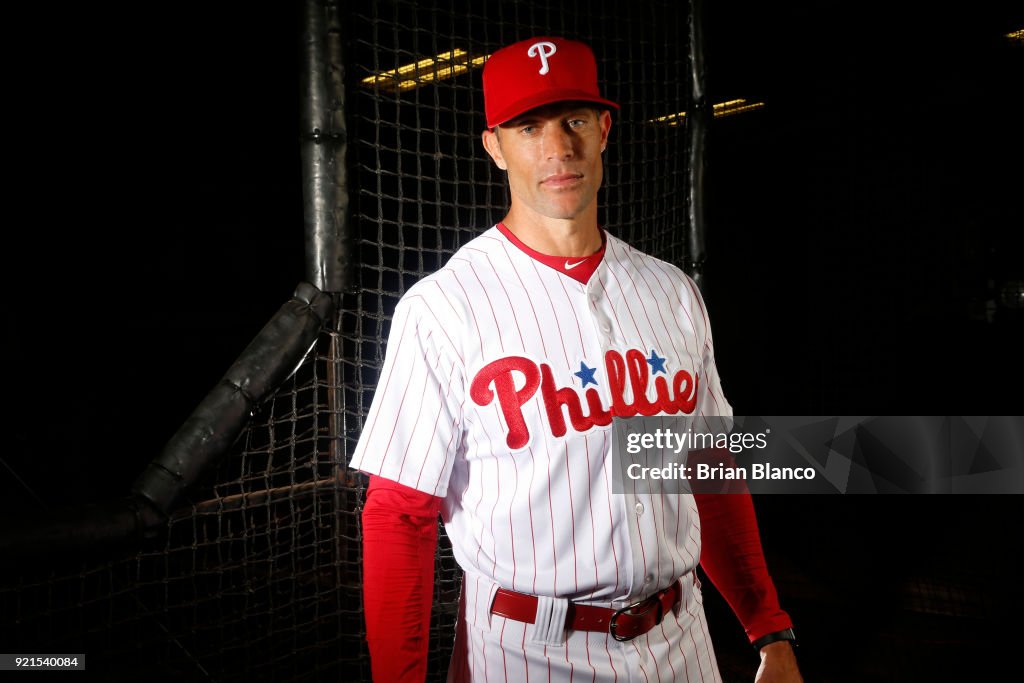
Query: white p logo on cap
543, 49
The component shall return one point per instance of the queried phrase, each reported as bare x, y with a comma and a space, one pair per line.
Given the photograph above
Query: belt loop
549, 624
686, 583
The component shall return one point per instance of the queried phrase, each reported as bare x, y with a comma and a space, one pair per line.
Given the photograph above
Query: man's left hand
778, 664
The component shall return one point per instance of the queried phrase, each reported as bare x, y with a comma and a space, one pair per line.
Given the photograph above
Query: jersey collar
576, 267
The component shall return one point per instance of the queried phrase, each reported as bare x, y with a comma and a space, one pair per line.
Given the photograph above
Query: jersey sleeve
412, 430
712, 402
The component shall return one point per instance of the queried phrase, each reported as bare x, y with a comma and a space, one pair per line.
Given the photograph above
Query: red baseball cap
539, 71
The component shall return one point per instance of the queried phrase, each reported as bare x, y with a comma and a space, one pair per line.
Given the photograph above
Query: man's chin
564, 210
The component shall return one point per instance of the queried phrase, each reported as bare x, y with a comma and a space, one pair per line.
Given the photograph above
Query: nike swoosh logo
570, 266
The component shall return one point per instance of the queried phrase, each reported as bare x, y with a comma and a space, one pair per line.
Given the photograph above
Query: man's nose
558, 142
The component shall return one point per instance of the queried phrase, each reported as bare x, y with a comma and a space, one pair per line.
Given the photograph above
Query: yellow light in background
429, 70
1016, 35
735, 107
721, 109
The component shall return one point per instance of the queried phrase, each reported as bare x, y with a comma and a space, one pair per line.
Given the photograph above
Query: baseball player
494, 409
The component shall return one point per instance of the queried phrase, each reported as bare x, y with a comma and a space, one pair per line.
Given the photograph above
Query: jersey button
648, 579
639, 508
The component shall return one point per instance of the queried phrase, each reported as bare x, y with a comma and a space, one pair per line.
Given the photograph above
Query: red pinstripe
685, 337
572, 517
373, 426
664, 525
639, 533
451, 440
650, 292
494, 315
436, 420
494, 549
504, 660
554, 316
611, 520
593, 527
700, 302
526, 662
529, 506
682, 653
657, 669
419, 411
682, 335
554, 550
476, 511
689, 631
679, 299
640, 657
536, 320
665, 636
611, 304
511, 307
697, 298
394, 427
643, 305
702, 619
590, 663
494, 536
572, 307
511, 529
679, 304
611, 661
451, 344
476, 323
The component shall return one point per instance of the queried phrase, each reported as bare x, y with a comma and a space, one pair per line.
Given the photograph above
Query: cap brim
547, 97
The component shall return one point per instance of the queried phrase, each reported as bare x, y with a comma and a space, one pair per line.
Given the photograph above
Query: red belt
624, 624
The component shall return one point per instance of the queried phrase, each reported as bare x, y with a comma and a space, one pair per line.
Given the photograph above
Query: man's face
553, 157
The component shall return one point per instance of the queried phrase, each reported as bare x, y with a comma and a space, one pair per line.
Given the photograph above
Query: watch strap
785, 634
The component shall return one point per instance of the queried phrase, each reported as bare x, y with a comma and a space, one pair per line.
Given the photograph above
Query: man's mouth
562, 180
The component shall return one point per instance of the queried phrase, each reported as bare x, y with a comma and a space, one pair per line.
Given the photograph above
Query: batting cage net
258, 575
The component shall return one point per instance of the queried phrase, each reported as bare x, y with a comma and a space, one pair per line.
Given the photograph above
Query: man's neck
571, 237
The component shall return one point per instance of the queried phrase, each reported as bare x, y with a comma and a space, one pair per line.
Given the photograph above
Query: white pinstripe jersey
499, 383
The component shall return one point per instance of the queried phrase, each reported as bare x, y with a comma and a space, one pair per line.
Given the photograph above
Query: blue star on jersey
586, 374
657, 363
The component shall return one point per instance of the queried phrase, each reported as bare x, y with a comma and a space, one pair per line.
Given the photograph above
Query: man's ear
605, 118
493, 147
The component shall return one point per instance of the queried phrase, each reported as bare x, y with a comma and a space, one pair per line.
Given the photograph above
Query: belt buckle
612, 624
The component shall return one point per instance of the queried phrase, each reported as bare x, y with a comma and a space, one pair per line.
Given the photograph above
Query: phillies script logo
632, 369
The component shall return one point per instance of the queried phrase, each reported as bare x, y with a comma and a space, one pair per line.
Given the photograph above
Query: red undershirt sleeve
732, 557
399, 544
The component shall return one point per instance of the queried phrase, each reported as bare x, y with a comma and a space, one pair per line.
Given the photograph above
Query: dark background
860, 221
857, 226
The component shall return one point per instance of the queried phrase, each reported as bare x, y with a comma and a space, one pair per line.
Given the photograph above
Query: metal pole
698, 127
324, 142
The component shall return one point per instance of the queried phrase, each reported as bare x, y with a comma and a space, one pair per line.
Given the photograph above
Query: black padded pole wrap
218, 420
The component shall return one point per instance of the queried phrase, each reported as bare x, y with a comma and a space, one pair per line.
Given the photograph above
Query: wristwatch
785, 634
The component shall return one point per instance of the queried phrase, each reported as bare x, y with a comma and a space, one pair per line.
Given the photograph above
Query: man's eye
528, 130
576, 123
